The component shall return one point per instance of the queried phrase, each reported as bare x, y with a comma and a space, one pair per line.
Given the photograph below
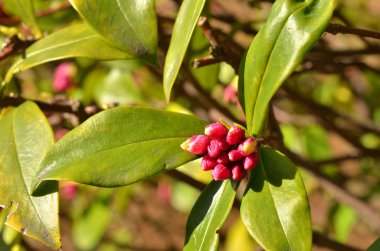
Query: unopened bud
235, 155
223, 144
248, 146
238, 172
235, 135
221, 172
251, 161
196, 144
216, 130
223, 159
208, 163
214, 149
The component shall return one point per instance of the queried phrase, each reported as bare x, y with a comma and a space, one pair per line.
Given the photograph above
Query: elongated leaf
24, 139
129, 25
293, 27
23, 9
75, 41
208, 215
275, 208
183, 29
121, 146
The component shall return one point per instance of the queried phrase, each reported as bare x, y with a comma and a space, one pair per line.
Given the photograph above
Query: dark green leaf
183, 29
293, 27
23, 9
25, 138
129, 25
375, 246
208, 215
75, 41
275, 208
121, 146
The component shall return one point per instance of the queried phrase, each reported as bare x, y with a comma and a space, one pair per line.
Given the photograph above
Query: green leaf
292, 29
130, 25
275, 208
121, 146
23, 9
208, 215
25, 138
375, 246
75, 41
183, 29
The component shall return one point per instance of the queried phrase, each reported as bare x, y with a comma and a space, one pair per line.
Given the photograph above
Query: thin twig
335, 28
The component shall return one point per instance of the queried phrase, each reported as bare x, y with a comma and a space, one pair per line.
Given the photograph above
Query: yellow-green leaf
130, 25
25, 138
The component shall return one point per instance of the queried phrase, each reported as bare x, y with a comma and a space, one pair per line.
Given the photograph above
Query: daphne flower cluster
227, 152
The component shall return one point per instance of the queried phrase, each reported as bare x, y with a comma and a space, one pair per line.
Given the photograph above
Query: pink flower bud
214, 149
69, 190
248, 146
251, 161
235, 135
216, 130
223, 144
63, 77
223, 159
238, 172
221, 172
231, 94
196, 144
208, 163
235, 155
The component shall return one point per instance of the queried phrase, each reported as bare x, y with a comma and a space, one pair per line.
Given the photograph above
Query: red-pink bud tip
214, 149
216, 130
238, 172
235, 135
223, 159
223, 144
196, 144
221, 172
251, 161
248, 146
208, 163
235, 155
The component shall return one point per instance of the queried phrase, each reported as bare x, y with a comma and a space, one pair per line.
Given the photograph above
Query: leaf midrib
21, 172
274, 204
211, 212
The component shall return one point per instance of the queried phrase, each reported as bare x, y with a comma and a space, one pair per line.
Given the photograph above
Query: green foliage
25, 138
23, 9
128, 25
208, 215
75, 41
275, 204
183, 29
120, 146
291, 30
375, 246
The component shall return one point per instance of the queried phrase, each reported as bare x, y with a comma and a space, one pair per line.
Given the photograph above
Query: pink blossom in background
69, 190
63, 77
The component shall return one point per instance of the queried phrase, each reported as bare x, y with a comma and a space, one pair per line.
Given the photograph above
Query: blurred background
326, 119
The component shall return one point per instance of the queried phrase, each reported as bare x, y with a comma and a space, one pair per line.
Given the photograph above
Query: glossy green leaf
121, 146
25, 138
293, 27
274, 208
75, 41
183, 29
208, 215
130, 25
23, 9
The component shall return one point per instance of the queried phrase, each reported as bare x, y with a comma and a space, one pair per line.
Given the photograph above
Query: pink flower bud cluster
227, 152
